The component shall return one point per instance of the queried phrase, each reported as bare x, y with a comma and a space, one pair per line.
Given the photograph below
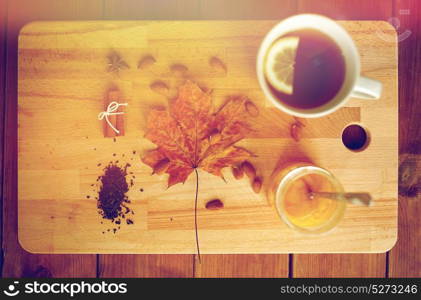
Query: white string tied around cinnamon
111, 110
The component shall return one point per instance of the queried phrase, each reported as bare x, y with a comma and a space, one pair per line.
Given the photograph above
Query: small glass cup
322, 214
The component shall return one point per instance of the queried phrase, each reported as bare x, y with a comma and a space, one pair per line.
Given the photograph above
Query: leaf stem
195, 214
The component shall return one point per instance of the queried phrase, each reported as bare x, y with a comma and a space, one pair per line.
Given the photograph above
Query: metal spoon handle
353, 198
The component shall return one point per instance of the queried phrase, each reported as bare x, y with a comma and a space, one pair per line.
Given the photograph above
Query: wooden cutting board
62, 85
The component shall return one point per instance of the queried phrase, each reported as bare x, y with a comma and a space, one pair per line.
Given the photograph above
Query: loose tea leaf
112, 198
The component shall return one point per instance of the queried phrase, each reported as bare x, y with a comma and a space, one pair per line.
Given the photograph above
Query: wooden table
403, 260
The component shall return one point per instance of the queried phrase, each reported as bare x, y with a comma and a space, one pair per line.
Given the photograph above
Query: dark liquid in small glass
319, 71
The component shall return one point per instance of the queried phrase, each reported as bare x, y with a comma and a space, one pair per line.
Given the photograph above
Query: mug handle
367, 88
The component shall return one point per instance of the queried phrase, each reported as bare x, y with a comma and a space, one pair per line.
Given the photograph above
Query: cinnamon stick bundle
116, 120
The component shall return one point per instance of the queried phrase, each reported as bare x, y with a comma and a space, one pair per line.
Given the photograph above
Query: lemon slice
279, 65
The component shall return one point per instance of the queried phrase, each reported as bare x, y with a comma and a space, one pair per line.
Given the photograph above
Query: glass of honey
289, 191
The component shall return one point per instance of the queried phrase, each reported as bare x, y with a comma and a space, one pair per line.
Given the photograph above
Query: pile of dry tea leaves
112, 198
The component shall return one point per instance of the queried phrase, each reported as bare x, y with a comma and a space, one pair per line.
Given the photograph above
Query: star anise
116, 63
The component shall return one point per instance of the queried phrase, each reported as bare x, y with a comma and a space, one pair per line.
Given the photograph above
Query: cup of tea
308, 66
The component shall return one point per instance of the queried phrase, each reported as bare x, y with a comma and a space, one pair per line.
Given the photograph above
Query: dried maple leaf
190, 135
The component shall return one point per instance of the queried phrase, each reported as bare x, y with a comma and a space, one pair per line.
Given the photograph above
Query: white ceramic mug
354, 85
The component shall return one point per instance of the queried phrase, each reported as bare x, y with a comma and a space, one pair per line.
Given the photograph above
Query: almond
257, 184
237, 172
161, 166
160, 87
249, 170
217, 64
294, 131
178, 69
214, 136
214, 204
251, 108
146, 62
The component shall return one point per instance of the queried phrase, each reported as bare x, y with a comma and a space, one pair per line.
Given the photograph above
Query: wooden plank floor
405, 257
404, 260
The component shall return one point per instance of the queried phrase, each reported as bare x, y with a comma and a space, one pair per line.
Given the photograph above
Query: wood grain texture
343, 265
18, 262
241, 266
349, 10
151, 10
247, 9
3, 43
405, 257
339, 265
23, 264
63, 147
167, 266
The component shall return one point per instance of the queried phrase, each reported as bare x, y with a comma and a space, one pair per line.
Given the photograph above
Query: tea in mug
304, 69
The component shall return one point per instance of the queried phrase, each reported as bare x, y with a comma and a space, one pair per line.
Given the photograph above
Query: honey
305, 211
289, 191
